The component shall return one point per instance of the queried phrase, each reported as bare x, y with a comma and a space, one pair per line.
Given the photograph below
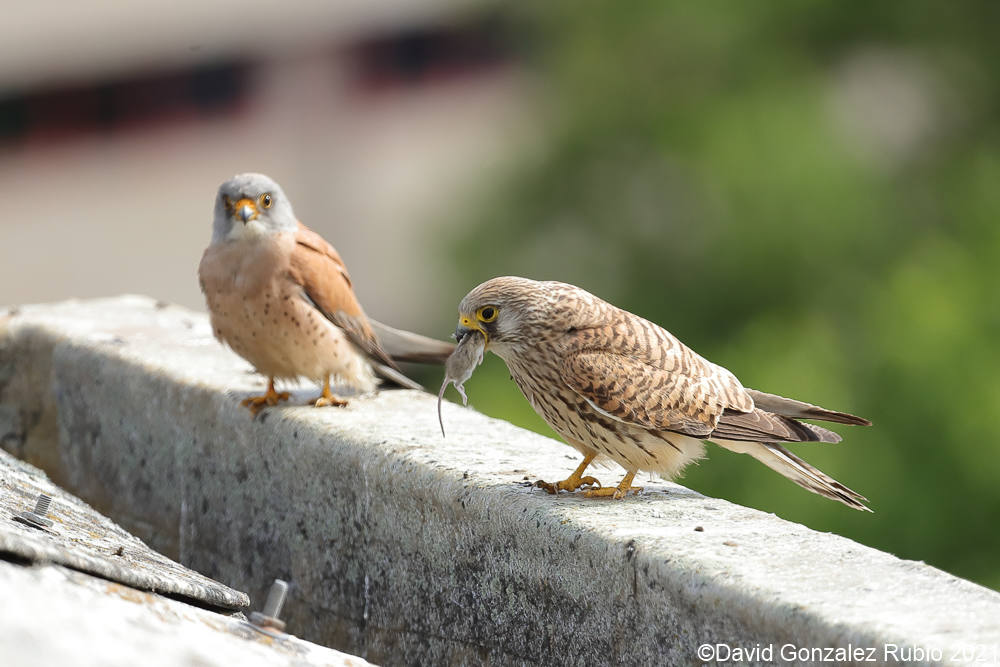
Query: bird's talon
324, 401
569, 484
616, 492
547, 486
271, 398
255, 403
328, 398
574, 481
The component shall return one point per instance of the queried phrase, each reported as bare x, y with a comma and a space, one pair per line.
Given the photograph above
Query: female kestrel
280, 296
617, 386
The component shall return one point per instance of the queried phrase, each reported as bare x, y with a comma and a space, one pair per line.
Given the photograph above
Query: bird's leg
327, 397
272, 397
574, 481
618, 492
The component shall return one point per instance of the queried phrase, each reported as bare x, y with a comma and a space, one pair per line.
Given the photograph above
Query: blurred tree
806, 193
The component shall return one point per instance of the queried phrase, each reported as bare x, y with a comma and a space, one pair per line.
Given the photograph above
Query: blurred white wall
374, 165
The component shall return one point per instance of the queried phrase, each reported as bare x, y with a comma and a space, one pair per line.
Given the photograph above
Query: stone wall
404, 547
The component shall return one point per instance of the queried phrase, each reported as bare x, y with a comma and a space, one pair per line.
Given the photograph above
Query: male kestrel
617, 386
280, 297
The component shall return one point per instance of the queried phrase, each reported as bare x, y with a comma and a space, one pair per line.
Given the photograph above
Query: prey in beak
463, 360
466, 325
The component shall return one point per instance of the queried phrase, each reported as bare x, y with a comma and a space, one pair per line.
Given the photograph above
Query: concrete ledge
83, 592
84, 540
66, 617
403, 547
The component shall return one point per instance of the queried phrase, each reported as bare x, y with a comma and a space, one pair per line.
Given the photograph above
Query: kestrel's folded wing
763, 426
648, 378
775, 419
789, 407
636, 392
699, 403
317, 267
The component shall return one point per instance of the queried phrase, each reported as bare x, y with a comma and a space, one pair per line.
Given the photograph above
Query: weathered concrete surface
404, 547
85, 540
56, 616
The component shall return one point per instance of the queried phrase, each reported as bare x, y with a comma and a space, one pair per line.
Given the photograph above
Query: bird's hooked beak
466, 325
246, 210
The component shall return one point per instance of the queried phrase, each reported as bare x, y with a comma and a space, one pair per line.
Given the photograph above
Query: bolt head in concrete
262, 621
34, 520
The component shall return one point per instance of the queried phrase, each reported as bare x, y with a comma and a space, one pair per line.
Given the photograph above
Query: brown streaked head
512, 311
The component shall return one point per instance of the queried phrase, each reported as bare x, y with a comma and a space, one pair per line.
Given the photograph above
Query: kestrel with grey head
618, 387
280, 296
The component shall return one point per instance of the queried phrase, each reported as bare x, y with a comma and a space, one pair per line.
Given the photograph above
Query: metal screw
272, 608
36, 518
42, 504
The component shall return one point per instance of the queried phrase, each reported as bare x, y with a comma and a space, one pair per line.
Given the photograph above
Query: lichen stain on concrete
131, 594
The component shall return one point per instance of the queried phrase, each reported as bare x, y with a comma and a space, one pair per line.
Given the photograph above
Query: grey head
249, 206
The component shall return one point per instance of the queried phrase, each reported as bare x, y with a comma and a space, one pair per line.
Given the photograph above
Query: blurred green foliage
806, 193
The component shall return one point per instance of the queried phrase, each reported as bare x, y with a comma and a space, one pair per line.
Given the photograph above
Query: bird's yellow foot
272, 397
574, 481
617, 492
328, 397
324, 401
569, 484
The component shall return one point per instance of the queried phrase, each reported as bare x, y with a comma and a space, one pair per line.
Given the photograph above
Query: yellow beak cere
245, 209
470, 322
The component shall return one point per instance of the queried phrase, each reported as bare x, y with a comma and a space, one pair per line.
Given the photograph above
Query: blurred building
119, 120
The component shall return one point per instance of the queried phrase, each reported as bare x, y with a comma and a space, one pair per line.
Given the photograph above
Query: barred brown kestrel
617, 386
280, 297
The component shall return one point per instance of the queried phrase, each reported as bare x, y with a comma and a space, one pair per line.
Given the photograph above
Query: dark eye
487, 314
227, 202
265, 200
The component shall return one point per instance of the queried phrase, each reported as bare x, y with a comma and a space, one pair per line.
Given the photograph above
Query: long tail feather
788, 407
782, 461
408, 346
394, 376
